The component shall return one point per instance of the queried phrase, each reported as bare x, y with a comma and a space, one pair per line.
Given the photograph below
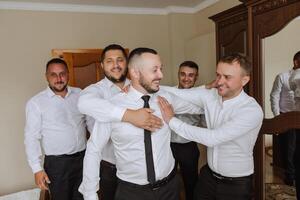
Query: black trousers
108, 181
187, 156
287, 143
297, 163
65, 174
211, 188
127, 191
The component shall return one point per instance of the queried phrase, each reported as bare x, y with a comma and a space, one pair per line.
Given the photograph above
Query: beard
147, 86
115, 80
55, 89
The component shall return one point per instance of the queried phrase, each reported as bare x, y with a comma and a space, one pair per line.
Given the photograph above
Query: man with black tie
93, 102
145, 169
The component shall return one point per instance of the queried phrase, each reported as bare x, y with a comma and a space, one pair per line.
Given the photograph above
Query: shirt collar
233, 100
111, 85
50, 93
137, 95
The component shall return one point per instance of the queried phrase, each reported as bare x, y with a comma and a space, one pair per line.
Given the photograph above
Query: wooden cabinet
231, 31
242, 29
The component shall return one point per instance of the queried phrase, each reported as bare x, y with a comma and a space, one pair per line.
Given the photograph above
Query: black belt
108, 164
156, 185
74, 155
226, 178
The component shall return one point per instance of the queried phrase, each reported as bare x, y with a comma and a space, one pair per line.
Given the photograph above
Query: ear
245, 80
101, 65
197, 75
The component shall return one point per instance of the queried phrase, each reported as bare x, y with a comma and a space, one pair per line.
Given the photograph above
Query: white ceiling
123, 3
156, 7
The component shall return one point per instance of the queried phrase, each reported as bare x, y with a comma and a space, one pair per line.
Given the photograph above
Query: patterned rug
280, 192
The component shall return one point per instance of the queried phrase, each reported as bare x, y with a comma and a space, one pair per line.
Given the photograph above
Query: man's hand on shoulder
166, 109
41, 180
126, 89
143, 118
212, 84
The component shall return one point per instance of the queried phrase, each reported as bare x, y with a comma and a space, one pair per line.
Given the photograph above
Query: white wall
27, 38
279, 50
200, 50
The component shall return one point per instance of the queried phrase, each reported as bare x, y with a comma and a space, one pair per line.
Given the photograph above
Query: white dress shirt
54, 125
281, 97
233, 127
128, 142
294, 81
93, 102
192, 119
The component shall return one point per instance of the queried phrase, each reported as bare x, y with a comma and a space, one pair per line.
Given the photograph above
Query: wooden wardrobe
242, 29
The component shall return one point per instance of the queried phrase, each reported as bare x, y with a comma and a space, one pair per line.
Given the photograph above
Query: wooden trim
59, 52
98, 66
291, 120
68, 58
230, 13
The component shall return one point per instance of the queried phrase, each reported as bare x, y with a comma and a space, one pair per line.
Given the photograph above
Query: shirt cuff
36, 168
174, 123
91, 197
117, 114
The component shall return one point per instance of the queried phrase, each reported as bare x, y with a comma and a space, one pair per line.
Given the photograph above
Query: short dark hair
113, 47
56, 61
297, 56
139, 51
190, 64
239, 58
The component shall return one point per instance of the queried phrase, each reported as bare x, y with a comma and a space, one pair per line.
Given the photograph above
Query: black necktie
148, 147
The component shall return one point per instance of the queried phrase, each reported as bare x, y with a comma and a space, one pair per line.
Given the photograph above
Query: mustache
59, 82
117, 67
158, 79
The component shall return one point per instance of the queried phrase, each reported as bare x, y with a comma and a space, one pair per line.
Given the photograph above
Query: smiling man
144, 161
181, 147
233, 121
94, 102
55, 126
